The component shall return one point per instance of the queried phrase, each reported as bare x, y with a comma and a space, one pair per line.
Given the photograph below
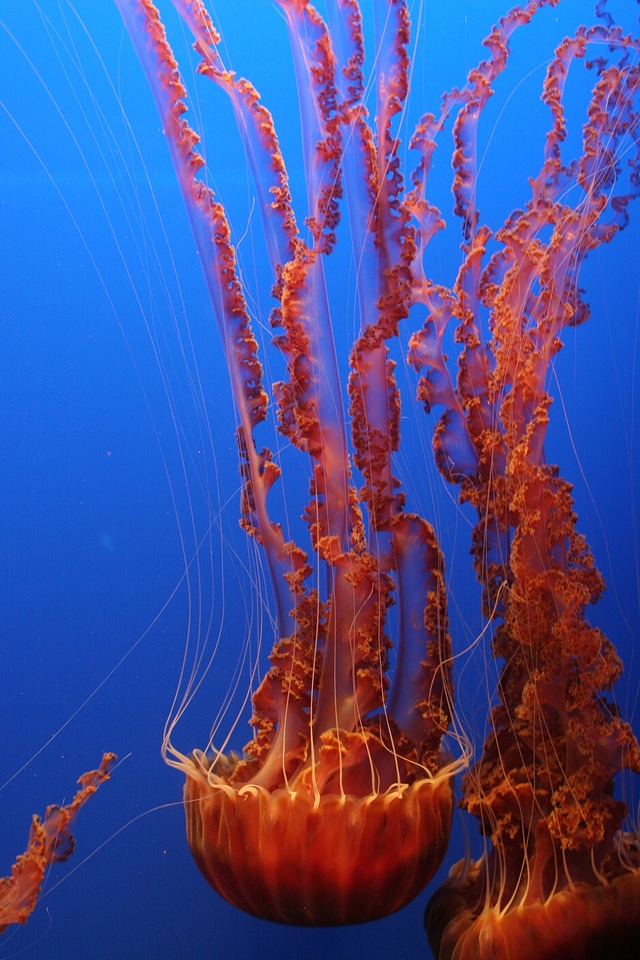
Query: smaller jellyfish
50, 841
561, 875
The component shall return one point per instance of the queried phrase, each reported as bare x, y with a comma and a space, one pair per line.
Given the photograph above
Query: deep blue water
97, 276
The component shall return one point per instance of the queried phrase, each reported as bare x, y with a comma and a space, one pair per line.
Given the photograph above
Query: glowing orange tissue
50, 841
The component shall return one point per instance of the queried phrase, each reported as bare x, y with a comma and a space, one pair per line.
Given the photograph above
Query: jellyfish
561, 876
338, 810
354, 710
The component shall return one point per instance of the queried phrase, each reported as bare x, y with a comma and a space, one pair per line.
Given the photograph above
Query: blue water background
92, 475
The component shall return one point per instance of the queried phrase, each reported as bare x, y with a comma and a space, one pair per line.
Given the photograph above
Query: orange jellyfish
50, 841
561, 878
339, 809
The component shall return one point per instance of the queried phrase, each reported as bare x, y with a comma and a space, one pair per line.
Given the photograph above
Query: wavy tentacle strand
338, 765
280, 706
543, 788
212, 235
50, 841
310, 402
384, 240
259, 137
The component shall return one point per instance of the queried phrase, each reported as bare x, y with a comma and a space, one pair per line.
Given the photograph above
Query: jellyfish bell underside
585, 923
338, 859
